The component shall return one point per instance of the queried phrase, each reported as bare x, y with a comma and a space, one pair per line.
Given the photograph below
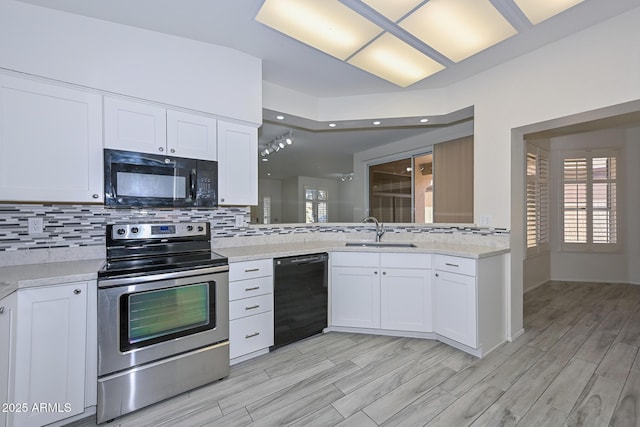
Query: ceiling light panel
458, 28
392, 59
327, 25
393, 10
539, 10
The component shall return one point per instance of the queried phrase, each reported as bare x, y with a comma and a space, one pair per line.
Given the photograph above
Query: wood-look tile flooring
577, 364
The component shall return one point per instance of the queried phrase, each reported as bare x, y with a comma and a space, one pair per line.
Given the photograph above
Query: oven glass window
135, 184
160, 315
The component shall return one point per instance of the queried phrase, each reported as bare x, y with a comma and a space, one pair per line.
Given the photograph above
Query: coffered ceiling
290, 63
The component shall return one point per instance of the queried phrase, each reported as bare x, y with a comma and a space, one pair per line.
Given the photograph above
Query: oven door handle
120, 281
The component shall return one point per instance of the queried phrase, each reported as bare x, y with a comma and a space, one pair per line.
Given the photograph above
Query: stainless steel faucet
379, 227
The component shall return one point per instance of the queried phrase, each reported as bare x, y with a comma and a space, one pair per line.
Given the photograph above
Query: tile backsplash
84, 225
72, 232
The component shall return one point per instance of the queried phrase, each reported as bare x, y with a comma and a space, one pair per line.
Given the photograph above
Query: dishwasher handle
304, 259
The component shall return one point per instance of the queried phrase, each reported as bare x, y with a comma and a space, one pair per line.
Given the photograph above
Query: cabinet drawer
250, 269
250, 306
355, 259
400, 260
250, 334
453, 264
250, 288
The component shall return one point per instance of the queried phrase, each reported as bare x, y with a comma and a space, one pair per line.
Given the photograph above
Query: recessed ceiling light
265, 160
327, 25
539, 10
393, 10
424, 120
280, 117
268, 173
390, 58
376, 123
458, 28
332, 125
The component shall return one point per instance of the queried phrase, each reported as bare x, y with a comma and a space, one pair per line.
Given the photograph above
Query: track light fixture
277, 144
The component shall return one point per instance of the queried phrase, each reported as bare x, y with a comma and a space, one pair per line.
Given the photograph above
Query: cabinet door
50, 352
134, 126
405, 300
50, 142
355, 297
191, 135
455, 311
237, 164
7, 347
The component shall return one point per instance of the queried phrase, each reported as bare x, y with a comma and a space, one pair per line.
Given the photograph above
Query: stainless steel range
163, 315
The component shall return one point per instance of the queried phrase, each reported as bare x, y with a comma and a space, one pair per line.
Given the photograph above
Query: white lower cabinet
8, 306
389, 291
49, 344
454, 296
355, 297
251, 326
469, 301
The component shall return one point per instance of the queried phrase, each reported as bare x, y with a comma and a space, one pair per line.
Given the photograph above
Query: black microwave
149, 180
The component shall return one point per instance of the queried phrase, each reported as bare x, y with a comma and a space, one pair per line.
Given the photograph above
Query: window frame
537, 192
590, 246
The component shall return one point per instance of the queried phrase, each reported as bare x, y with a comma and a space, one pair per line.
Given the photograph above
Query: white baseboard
515, 336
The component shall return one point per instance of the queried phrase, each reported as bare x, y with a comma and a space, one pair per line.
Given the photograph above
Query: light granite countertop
252, 252
47, 274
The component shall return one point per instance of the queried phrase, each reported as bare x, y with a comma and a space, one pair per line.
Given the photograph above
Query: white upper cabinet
237, 164
147, 128
134, 126
50, 142
191, 135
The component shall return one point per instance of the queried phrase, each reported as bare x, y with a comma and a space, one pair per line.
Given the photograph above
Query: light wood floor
577, 364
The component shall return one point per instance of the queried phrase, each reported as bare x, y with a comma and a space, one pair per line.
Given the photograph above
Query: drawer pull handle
253, 307
251, 270
255, 334
255, 288
451, 265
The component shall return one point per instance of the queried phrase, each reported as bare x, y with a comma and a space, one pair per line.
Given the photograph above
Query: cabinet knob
77, 291
437, 275
173, 150
1, 310
375, 272
384, 273
95, 196
222, 200
160, 149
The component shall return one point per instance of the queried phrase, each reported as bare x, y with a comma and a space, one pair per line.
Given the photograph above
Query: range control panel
158, 231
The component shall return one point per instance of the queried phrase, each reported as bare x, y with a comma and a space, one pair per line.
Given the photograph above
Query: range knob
200, 228
134, 230
189, 227
121, 231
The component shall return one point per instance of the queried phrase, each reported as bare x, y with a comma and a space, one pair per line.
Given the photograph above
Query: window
426, 187
589, 201
316, 209
537, 200
266, 210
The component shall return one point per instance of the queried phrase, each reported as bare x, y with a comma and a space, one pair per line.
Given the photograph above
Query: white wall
633, 205
347, 192
578, 266
589, 70
293, 205
126, 60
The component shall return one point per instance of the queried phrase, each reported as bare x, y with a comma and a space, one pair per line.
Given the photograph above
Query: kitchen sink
381, 244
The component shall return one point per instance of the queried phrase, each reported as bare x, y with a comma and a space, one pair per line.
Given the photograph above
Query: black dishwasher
300, 297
